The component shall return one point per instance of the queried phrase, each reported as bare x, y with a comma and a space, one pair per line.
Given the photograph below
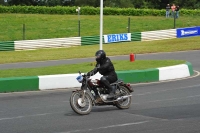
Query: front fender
77, 90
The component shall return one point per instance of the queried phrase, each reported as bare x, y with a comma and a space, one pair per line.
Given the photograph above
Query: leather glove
88, 74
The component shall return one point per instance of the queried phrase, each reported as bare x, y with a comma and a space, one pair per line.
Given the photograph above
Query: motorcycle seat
117, 82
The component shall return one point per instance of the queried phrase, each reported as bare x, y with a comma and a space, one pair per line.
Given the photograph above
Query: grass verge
169, 45
85, 67
40, 26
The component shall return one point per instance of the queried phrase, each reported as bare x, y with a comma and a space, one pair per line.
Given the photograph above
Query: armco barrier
158, 35
57, 42
136, 36
40, 43
7, 46
69, 80
92, 40
47, 43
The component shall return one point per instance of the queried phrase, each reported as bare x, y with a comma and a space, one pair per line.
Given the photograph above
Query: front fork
82, 92
83, 96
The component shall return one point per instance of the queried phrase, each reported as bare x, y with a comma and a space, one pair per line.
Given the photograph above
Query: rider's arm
92, 72
106, 65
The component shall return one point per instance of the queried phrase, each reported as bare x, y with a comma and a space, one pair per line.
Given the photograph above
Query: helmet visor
98, 57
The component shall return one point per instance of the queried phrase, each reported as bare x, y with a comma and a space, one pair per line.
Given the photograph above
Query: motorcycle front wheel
79, 105
125, 103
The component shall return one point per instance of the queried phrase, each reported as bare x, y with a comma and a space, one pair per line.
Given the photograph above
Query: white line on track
106, 127
171, 99
146, 93
19, 117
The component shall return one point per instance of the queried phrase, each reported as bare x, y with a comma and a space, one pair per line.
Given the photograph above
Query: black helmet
100, 55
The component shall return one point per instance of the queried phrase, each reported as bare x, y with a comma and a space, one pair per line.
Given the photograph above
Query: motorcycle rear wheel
80, 107
124, 104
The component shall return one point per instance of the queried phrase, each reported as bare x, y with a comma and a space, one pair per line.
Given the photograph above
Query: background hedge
91, 11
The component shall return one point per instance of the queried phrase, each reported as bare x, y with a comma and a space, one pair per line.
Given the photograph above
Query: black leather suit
105, 67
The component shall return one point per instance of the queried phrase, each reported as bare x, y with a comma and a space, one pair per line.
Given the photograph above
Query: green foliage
2, 2
145, 4
90, 10
93, 3
45, 26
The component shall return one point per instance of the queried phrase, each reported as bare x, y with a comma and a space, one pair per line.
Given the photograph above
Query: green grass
40, 26
168, 45
85, 67
88, 51
59, 26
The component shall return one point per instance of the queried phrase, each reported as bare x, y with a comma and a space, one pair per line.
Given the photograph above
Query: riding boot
111, 94
109, 87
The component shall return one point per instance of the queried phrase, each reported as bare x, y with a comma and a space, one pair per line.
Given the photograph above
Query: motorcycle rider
106, 68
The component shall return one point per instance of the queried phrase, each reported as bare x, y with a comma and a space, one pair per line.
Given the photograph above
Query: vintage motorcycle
93, 93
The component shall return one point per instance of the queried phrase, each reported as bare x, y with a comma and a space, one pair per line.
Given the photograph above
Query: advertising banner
117, 37
187, 32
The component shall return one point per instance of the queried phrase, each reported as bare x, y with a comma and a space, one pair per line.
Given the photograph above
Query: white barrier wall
61, 81
173, 72
47, 43
69, 80
158, 35
58, 81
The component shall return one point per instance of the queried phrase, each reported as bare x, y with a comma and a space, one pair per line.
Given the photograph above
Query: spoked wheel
126, 102
79, 105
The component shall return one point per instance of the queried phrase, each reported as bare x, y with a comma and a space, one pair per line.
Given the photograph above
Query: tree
53, 2
189, 3
118, 3
93, 3
157, 4
138, 3
149, 3
68, 2
2, 2
20, 2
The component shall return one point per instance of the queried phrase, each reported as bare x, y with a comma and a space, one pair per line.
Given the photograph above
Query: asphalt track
163, 107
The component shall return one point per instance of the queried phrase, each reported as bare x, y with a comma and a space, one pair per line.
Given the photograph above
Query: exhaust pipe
123, 97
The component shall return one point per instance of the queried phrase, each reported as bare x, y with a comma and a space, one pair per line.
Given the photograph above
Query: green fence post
129, 25
24, 29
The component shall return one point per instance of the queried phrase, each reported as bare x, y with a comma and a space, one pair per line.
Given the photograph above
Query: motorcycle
93, 93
